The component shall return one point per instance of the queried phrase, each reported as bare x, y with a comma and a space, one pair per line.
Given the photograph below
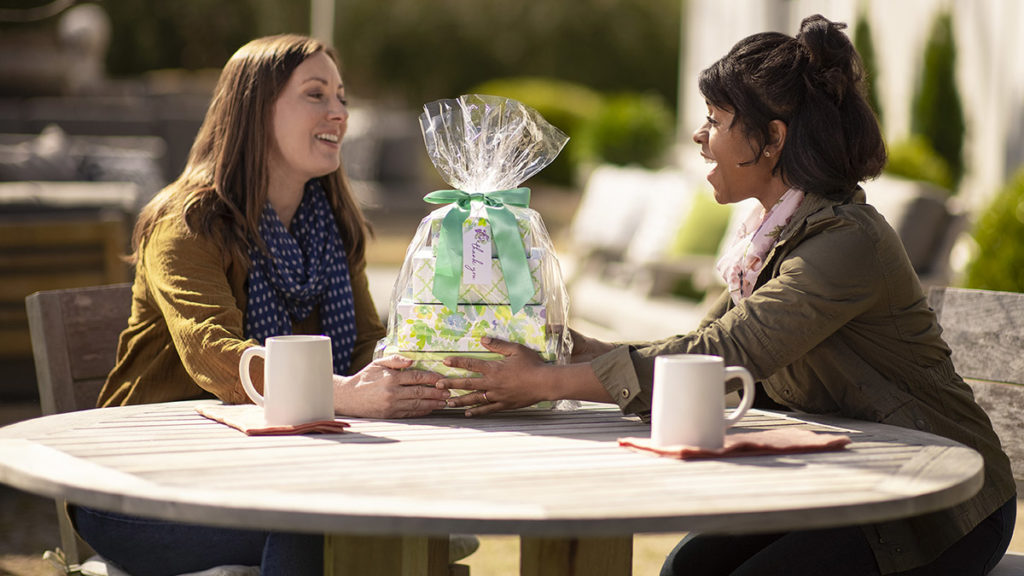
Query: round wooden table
389, 492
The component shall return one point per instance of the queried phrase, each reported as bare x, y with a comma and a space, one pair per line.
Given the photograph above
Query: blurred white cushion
669, 200
613, 204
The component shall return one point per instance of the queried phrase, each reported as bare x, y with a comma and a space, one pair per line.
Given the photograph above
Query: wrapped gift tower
482, 264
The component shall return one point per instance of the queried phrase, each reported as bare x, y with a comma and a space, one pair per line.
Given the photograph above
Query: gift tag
476, 255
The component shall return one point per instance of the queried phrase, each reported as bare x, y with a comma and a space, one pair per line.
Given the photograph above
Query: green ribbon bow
505, 234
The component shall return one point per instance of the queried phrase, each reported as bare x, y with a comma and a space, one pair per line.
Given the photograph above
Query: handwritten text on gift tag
476, 256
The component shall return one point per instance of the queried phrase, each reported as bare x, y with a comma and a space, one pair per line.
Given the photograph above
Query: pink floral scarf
741, 263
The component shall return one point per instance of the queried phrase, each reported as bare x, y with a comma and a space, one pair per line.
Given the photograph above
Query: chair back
74, 342
985, 330
74, 333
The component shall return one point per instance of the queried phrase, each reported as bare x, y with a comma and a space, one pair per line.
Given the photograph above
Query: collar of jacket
813, 209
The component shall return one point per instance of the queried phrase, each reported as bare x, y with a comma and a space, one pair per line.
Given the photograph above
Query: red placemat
778, 441
249, 419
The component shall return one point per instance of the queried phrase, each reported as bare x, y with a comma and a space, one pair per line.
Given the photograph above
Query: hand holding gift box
483, 264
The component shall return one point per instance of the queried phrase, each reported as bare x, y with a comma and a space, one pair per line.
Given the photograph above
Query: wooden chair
985, 330
74, 342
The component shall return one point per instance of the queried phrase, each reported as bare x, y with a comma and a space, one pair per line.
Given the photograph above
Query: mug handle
243, 372
748, 393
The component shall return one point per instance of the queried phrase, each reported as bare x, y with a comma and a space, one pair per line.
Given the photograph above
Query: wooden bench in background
985, 330
55, 235
53, 251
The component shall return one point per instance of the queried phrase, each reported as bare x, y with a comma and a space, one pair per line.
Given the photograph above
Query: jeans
148, 547
834, 551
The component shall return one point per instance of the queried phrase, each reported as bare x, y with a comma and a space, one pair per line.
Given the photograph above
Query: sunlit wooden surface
552, 477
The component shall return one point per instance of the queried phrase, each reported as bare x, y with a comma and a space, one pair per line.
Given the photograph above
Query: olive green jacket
184, 337
838, 324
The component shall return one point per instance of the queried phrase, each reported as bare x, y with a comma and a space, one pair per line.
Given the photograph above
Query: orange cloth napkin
778, 441
249, 419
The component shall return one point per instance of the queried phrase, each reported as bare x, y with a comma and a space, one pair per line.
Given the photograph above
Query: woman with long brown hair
260, 235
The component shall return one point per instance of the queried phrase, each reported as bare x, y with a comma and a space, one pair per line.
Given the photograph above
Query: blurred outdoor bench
55, 235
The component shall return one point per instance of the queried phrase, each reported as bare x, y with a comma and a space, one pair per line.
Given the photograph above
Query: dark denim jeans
835, 551
148, 547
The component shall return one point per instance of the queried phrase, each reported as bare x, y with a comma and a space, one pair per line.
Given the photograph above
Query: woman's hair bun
833, 65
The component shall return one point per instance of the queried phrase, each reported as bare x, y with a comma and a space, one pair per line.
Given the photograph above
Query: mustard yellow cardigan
184, 337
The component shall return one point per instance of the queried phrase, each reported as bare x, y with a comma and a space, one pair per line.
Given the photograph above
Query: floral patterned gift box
435, 327
434, 361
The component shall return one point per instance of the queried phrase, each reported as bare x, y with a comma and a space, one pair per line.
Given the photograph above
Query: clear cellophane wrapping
484, 147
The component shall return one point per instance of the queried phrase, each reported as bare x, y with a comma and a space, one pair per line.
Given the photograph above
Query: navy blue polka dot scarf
306, 268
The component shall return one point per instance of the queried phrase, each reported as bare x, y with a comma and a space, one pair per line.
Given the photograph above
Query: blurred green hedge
622, 128
915, 159
999, 233
628, 129
567, 105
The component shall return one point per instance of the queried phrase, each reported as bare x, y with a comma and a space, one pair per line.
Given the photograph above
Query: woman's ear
777, 130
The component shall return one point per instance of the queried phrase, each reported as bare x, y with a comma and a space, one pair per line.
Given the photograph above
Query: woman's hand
585, 349
519, 379
384, 389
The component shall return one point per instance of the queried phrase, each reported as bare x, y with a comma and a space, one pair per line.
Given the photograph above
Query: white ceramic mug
297, 379
689, 400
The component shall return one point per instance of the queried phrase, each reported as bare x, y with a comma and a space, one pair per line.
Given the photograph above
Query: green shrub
628, 129
566, 105
999, 233
915, 159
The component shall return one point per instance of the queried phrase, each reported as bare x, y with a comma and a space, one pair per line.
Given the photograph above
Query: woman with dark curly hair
822, 306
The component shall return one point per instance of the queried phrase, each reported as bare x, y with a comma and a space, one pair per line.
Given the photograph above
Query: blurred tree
413, 51
865, 45
189, 34
417, 51
937, 114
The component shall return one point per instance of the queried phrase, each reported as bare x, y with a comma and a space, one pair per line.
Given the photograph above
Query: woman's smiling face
735, 172
309, 121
